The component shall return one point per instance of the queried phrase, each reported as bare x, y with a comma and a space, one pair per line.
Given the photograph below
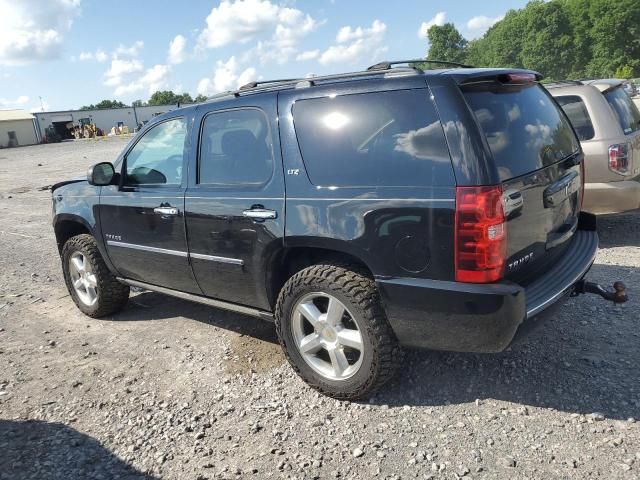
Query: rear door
538, 159
235, 200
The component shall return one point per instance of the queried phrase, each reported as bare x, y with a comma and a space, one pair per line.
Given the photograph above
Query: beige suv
608, 125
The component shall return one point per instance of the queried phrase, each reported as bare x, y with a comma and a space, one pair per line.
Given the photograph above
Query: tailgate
538, 159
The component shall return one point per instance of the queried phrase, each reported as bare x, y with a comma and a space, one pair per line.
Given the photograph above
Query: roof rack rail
560, 83
387, 65
250, 85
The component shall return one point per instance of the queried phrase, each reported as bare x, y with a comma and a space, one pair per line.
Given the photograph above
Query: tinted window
157, 157
235, 148
372, 139
576, 110
624, 108
524, 128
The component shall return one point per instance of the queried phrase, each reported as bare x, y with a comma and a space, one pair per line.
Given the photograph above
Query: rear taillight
481, 234
619, 158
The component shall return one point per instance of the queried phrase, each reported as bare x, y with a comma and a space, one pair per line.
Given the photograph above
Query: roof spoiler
507, 77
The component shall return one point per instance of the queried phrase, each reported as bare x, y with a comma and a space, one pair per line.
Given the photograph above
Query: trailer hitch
619, 295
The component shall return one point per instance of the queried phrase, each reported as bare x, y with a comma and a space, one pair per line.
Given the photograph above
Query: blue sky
77, 52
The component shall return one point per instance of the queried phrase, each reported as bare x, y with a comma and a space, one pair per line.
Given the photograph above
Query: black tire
112, 295
381, 354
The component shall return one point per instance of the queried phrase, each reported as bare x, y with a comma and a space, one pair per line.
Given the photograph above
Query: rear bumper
612, 197
467, 317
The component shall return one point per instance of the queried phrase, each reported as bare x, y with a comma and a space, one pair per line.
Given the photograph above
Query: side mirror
101, 174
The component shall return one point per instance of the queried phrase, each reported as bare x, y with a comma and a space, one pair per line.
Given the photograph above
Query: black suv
360, 212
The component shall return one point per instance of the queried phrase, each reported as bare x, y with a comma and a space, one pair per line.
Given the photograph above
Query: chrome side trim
356, 199
253, 312
134, 246
213, 258
177, 253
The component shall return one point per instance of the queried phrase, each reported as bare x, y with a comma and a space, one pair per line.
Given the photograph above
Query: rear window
576, 110
372, 139
524, 127
624, 108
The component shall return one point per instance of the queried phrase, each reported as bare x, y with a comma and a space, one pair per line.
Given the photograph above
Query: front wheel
93, 288
334, 332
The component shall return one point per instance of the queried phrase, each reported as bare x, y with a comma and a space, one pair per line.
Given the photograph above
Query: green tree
615, 34
167, 97
547, 43
559, 38
200, 98
625, 72
104, 104
446, 43
137, 103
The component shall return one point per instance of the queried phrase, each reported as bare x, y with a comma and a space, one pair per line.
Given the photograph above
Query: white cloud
241, 20
119, 68
98, 55
18, 102
438, 19
354, 44
101, 56
33, 30
308, 55
177, 50
154, 79
279, 29
480, 24
226, 77
132, 51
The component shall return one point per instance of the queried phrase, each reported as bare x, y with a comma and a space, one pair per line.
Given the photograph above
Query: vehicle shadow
36, 449
619, 230
582, 360
155, 306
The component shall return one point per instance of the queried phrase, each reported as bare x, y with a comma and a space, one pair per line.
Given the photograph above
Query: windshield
624, 108
524, 127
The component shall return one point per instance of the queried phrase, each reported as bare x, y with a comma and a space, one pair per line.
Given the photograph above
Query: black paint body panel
404, 235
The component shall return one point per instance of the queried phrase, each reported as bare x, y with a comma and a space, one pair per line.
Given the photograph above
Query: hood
67, 182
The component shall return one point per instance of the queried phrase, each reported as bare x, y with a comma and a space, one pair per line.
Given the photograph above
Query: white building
105, 119
17, 128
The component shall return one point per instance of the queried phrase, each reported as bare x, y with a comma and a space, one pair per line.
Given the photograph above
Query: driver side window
157, 157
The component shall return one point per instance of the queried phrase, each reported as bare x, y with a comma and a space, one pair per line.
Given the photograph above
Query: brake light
520, 78
619, 158
481, 234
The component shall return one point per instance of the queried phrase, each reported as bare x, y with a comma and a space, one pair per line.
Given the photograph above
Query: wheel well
67, 229
291, 260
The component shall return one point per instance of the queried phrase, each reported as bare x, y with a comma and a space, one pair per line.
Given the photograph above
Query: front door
235, 202
142, 219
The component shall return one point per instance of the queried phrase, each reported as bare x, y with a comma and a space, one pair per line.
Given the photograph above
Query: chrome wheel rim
83, 279
327, 336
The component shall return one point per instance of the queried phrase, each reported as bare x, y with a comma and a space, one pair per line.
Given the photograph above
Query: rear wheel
93, 288
334, 331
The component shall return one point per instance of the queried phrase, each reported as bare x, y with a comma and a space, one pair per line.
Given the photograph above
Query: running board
252, 312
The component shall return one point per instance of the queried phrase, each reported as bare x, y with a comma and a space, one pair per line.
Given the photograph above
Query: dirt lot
169, 389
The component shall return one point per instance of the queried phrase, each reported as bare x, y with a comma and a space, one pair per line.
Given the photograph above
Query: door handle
260, 213
166, 211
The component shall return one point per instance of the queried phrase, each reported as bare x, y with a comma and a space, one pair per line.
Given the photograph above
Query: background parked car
607, 122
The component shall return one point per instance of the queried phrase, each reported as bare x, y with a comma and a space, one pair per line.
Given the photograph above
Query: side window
373, 139
235, 149
576, 110
157, 157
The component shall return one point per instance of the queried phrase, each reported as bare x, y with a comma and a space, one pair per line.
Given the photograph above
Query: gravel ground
169, 389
